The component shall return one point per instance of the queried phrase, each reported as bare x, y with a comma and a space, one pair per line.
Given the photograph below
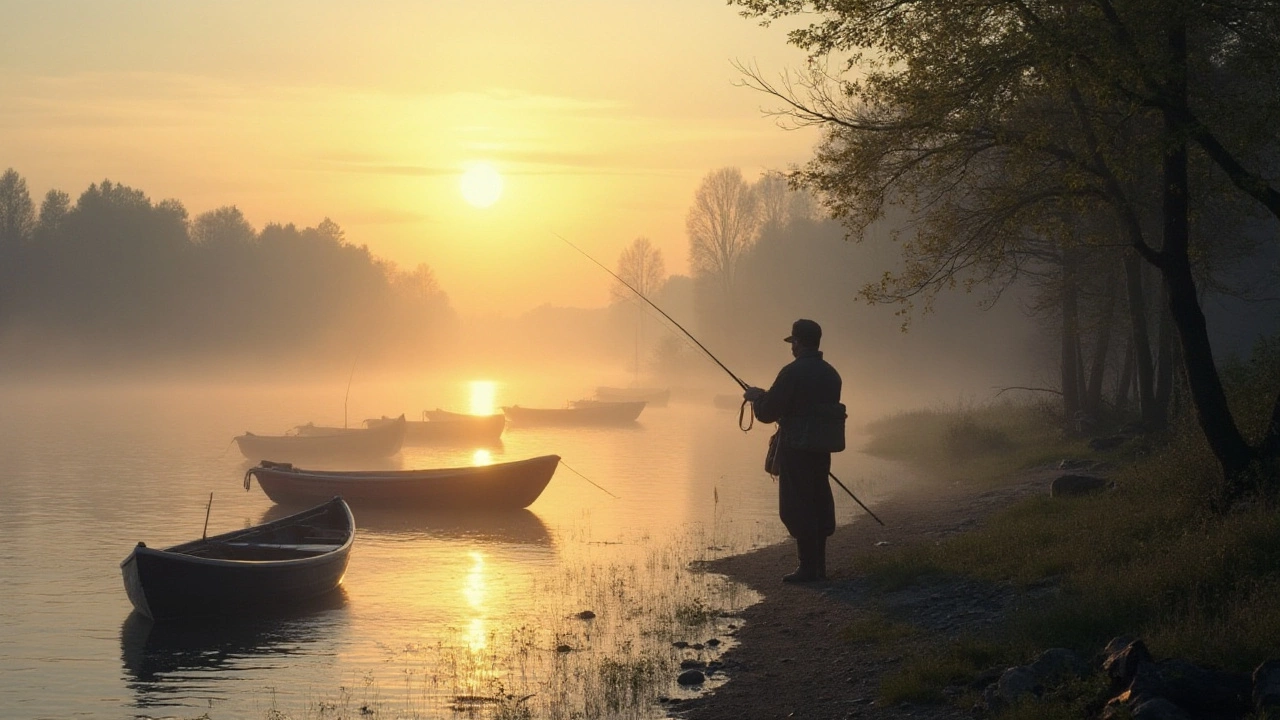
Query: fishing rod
640, 295
736, 379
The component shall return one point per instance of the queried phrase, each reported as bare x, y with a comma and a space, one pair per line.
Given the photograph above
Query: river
437, 615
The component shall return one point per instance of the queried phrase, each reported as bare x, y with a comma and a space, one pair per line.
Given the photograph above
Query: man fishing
805, 402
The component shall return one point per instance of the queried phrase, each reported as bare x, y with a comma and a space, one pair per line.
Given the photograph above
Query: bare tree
722, 223
641, 267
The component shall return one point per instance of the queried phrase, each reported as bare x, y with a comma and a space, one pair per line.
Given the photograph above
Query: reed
608, 644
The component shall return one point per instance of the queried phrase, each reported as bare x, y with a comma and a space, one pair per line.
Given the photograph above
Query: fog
305, 307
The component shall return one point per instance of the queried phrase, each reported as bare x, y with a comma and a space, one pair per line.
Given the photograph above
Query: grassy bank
1148, 558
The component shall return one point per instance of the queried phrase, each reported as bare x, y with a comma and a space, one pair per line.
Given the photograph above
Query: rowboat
655, 397
579, 412
500, 486
279, 564
326, 443
442, 427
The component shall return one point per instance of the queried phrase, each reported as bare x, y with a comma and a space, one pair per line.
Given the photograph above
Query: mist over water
432, 607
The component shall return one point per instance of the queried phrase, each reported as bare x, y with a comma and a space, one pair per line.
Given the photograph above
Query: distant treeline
114, 278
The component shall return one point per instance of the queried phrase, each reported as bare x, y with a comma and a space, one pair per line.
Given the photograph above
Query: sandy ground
790, 660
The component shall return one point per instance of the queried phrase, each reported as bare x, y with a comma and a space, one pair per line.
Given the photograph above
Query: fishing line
584, 477
640, 295
741, 409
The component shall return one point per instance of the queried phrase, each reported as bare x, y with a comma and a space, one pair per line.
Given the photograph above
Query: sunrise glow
481, 185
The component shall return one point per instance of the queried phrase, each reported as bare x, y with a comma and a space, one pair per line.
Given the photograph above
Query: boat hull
453, 430
247, 572
501, 486
583, 413
340, 444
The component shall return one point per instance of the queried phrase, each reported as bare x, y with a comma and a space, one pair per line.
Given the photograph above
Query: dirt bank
791, 660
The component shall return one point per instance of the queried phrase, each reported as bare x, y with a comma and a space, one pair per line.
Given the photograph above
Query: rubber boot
805, 573
819, 557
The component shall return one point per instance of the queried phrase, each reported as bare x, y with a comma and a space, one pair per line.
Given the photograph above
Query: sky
601, 117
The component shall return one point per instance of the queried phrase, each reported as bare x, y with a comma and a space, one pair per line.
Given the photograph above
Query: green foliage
1148, 559
922, 678
875, 627
979, 442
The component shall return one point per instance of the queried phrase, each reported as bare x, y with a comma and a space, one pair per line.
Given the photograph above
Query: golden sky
601, 116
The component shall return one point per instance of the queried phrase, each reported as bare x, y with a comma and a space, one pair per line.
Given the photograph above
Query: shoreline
794, 654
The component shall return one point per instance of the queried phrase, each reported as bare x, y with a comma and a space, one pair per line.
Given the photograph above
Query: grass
618, 662
1149, 559
983, 442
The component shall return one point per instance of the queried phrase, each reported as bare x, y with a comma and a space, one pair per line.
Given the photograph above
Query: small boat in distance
500, 486
441, 427
579, 412
655, 397
325, 443
269, 567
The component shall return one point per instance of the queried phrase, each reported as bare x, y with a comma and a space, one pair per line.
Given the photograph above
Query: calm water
432, 610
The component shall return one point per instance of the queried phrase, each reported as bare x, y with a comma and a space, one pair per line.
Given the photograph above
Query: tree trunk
1214, 415
1126, 377
1069, 369
1101, 350
1141, 337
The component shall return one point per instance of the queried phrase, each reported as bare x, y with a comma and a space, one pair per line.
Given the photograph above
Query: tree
17, 214
640, 265
721, 224
53, 213
223, 227
1072, 102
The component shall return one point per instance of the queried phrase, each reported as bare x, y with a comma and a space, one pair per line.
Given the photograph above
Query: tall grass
601, 644
1150, 558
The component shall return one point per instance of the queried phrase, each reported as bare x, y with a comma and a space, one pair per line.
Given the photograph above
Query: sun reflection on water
476, 590
481, 457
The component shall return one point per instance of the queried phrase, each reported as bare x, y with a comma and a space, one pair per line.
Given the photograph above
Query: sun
481, 185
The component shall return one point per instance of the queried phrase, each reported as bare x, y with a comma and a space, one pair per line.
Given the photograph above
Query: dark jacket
803, 387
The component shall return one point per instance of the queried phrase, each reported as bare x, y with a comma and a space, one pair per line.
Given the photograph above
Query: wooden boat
500, 486
441, 427
326, 443
655, 397
580, 412
263, 568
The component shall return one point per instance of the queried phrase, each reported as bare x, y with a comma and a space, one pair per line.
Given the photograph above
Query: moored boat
579, 412
654, 397
267, 567
499, 486
325, 443
441, 427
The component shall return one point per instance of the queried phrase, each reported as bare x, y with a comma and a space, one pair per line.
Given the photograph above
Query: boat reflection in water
517, 527
191, 664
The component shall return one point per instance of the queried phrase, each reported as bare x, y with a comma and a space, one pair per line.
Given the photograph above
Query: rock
586, 615
1158, 709
1202, 691
1056, 665
563, 649
1123, 656
1266, 685
691, 677
1016, 682
690, 663
1075, 485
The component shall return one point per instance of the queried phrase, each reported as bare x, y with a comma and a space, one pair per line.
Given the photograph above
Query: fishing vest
820, 430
